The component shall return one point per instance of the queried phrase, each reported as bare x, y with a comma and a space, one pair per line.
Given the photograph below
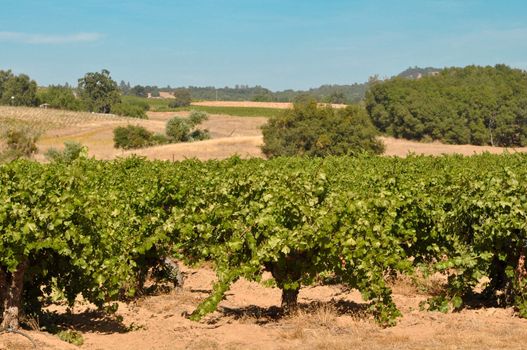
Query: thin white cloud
39, 39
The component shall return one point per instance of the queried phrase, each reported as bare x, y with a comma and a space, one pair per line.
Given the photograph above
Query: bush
178, 129
129, 110
308, 130
134, 136
197, 117
20, 142
72, 150
199, 135
184, 130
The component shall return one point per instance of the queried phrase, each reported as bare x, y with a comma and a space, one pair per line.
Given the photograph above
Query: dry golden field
230, 135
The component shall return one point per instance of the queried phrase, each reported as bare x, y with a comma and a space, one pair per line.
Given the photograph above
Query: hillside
417, 72
230, 135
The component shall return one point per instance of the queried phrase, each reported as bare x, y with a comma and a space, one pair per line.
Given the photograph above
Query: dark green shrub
72, 150
308, 130
132, 136
471, 105
199, 135
129, 110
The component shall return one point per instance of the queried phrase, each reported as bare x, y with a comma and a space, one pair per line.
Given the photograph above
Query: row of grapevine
95, 227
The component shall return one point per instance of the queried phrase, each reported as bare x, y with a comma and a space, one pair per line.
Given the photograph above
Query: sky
278, 44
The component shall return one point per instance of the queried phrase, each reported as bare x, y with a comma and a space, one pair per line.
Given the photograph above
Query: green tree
337, 97
182, 98
476, 105
99, 91
17, 90
139, 91
60, 97
312, 131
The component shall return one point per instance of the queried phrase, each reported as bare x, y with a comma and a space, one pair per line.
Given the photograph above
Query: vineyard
95, 228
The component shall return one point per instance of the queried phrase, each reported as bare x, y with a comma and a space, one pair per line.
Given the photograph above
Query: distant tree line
326, 93
471, 105
96, 92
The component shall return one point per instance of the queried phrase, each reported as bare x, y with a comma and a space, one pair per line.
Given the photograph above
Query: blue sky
278, 44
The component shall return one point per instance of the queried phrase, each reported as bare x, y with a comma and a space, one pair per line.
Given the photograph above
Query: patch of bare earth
330, 317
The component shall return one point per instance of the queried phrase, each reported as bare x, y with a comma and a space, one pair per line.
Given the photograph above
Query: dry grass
50, 118
401, 148
417, 284
230, 135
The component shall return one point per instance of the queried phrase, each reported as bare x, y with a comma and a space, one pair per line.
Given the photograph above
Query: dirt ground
330, 318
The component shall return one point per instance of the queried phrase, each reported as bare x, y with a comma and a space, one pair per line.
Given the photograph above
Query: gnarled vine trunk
287, 272
290, 300
12, 288
3, 288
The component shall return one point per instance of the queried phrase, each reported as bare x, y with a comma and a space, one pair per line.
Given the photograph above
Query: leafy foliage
60, 97
326, 93
95, 227
99, 91
471, 105
178, 129
129, 110
182, 98
312, 131
72, 150
184, 129
17, 90
135, 136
